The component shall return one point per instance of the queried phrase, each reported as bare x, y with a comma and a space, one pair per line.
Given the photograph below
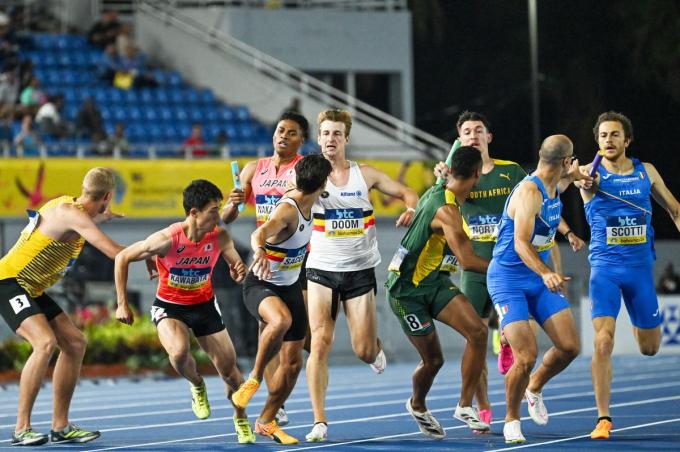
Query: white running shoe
318, 434
537, 409
512, 431
427, 423
380, 363
470, 416
282, 417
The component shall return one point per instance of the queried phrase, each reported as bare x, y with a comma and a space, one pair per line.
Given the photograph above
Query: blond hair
336, 115
98, 182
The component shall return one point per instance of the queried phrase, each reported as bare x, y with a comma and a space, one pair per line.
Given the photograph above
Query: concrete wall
317, 40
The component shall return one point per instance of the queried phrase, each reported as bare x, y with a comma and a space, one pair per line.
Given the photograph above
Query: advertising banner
153, 188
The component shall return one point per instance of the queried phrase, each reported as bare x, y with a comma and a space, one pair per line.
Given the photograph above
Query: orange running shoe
245, 392
601, 430
272, 430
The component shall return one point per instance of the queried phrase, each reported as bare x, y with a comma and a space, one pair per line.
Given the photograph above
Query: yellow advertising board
153, 188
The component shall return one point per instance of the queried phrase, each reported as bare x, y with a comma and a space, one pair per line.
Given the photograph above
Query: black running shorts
255, 290
203, 318
16, 305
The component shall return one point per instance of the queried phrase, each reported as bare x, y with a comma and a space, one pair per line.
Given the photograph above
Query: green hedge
112, 342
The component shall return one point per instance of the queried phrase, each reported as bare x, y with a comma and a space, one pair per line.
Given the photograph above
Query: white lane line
405, 390
559, 413
572, 438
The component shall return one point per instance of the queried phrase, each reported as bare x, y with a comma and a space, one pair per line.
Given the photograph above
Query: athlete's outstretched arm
449, 220
663, 195
157, 244
523, 208
237, 269
284, 217
576, 176
385, 184
239, 196
84, 225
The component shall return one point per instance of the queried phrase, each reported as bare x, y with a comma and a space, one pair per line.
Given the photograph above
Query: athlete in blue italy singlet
516, 290
619, 211
622, 247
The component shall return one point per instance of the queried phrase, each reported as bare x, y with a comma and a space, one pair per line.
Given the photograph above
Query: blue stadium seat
165, 113
227, 114
242, 113
130, 96
181, 114
207, 96
171, 134
211, 114
134, 113
176, 96
115, 95
162, 97
150, 113
190, 96
196, 115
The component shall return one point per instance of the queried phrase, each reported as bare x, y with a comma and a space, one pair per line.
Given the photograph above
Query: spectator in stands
669, 283
124, 39
32, 97
105, 30
221, 144
9, 88
109, 64
117, 141
195, 144
6, 133
27, 140
132, 62
89, 120
49, 119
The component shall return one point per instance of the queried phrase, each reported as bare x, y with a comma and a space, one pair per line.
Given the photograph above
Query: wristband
566, 234
411, 209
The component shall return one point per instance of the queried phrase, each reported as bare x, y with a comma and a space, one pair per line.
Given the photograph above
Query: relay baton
454, 148
596, 162
237, 180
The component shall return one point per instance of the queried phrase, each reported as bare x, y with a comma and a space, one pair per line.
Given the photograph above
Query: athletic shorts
473, 285
16, 305
416, 313
607, 284
203, 318
345, 285
255, 291
516, 294
302, 279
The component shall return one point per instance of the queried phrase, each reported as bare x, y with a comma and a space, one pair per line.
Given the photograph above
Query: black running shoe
73, 434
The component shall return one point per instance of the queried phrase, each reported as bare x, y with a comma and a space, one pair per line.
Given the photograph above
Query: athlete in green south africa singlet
418, 284
482, 215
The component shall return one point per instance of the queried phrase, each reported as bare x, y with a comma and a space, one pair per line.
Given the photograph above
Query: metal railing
405, 134
343, 5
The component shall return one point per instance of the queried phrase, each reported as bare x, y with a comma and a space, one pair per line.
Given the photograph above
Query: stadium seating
154, 117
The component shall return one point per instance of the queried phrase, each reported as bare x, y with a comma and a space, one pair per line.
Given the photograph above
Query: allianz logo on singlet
350, 193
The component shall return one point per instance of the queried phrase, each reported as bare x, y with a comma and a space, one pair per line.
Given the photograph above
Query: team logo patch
208, 247
158, 313
180, 249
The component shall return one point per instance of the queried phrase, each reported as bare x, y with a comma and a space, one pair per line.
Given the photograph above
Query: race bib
484, 228
264, 205
397, 259
290, 260
344, 223
449, 263
544, 237
189, 278
626, 230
